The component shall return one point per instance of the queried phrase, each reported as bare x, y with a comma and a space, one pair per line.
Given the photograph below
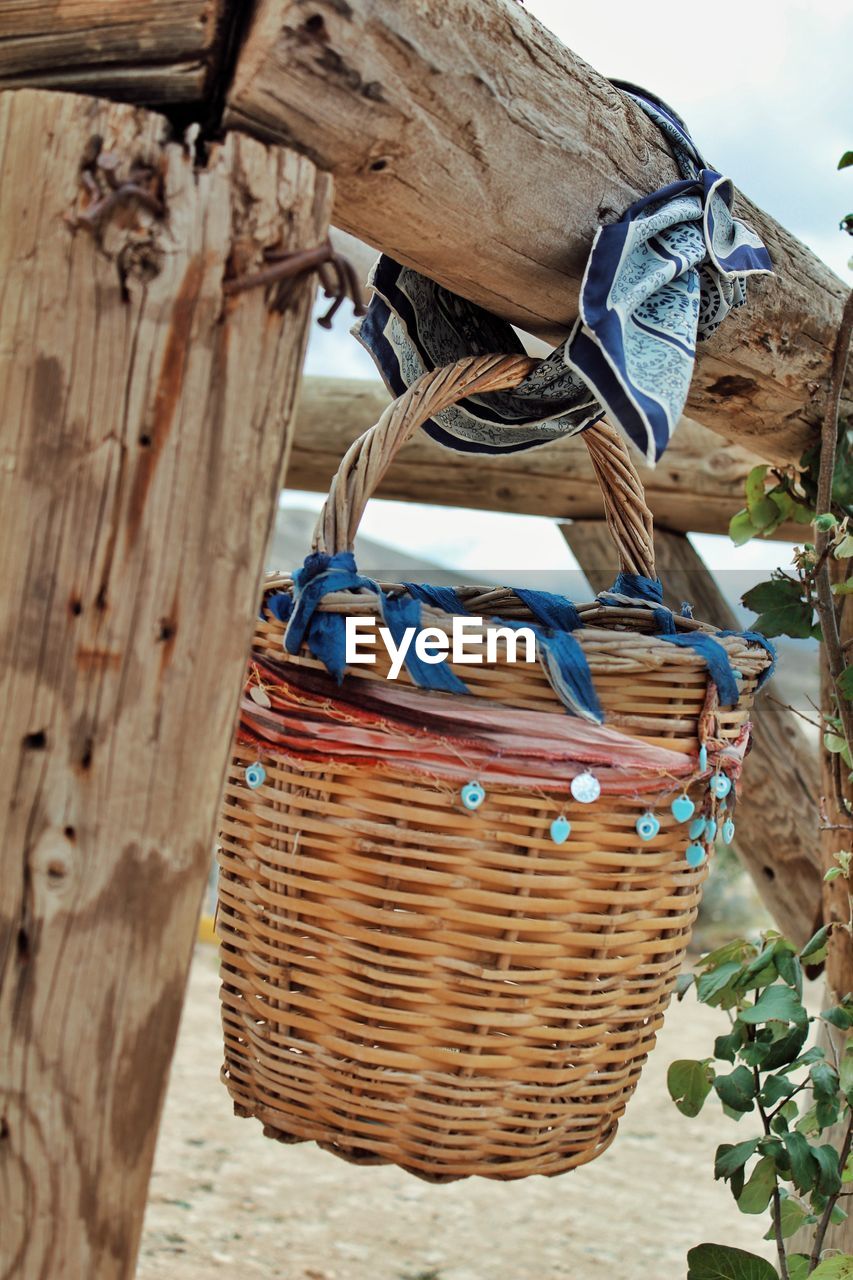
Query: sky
767, 92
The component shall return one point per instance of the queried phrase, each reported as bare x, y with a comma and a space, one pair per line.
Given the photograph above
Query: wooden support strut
145, 427
697, 486
470, 144
777, 817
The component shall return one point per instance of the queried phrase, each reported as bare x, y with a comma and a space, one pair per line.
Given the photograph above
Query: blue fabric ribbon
444, 598
657, 281
556, 612
400, 612
716, 660
757, 638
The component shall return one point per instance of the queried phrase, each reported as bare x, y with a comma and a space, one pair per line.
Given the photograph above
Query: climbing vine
760, 1068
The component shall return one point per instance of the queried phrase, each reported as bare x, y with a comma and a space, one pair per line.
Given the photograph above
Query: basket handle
366, 461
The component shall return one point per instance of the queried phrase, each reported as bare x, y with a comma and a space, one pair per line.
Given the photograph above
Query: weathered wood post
777, 818
145, 424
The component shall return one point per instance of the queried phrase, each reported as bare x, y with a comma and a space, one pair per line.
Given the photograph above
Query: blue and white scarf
665, 275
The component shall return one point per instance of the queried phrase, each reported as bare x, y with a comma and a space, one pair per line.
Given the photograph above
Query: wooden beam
777, 815
154, 51
697, 486
470, 144
144, 429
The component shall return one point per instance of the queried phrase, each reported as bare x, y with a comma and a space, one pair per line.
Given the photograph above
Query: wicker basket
453, 992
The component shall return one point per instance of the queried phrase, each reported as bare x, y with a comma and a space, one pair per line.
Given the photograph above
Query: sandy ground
227, 1202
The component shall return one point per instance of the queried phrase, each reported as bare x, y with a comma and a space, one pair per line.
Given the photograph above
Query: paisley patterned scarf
664, 276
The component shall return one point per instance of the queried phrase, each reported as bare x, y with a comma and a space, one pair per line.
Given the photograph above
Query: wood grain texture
143, 443
777, 814
696, 487
835, 833
154, 51
470, 144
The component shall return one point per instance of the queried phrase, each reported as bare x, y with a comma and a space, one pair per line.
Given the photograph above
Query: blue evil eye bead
255, 776
585, 788
703, 759
472, 795
561, 829
720, 785
728, 831
682, 808
711, 830
695, 854
696, 828
647, 826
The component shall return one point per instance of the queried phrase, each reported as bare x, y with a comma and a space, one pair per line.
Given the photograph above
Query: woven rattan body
454, 992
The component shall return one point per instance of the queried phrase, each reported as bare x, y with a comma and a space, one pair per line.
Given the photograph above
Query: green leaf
754, 486
815, 949
832, 874
792, 1215
825, 1087
722, 1262
779, 1004
846, 160
755, 1196
825, 521
790, 969
807, 1123
741, 528
725, 1047
844, 683
689, 1084
731, 1158
784, 1051
793, 618
838, 1268
783, 502
776, 1088
829, 1175
845, 1072
737, 1089
798, 1266
714, 981
738, 949
804, 1167
840, 1016
842, 588
763, 514
683, 983
844, 549
824, 1080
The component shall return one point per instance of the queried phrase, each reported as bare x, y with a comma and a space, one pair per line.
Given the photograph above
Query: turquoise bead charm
720, 785
682, 808
585, 788
696, 828
728, 831
703, 759
561, 829
647, 826
255, 775
695, 854
711, 830
473, 795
